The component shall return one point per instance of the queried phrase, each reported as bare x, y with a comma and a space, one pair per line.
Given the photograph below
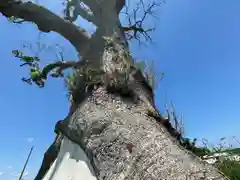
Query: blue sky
197, 47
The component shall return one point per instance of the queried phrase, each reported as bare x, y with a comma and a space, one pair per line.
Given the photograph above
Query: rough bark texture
123, 143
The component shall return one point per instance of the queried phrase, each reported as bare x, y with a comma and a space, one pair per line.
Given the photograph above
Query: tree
113, 125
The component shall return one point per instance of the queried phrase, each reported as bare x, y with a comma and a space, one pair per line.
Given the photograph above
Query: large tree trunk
114, 140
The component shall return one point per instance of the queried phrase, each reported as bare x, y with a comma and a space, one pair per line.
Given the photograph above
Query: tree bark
121, 142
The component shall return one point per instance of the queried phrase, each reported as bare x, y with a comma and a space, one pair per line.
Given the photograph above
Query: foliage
82, 78
233, 151
230, 168
38, 75
191, 146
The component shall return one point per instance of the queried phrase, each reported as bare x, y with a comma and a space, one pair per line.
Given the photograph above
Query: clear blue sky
197, 47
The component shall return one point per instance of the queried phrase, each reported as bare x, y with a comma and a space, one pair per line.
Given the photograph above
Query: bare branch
135, 28
174, 119
46, 21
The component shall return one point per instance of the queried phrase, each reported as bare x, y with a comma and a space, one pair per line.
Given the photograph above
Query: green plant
229, 168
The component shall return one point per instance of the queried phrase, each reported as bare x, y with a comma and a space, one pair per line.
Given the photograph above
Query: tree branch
60, 66
56, 69
135, 28
92, 4
119, 5
45, 20
78, 9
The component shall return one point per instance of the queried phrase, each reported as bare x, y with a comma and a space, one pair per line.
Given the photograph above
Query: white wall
71, 164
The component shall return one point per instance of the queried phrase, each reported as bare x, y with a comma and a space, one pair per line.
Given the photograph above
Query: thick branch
46, 21
94, 5
60, 66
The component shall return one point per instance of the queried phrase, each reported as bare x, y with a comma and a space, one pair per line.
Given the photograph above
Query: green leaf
28, 59
35, 74
17, 53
